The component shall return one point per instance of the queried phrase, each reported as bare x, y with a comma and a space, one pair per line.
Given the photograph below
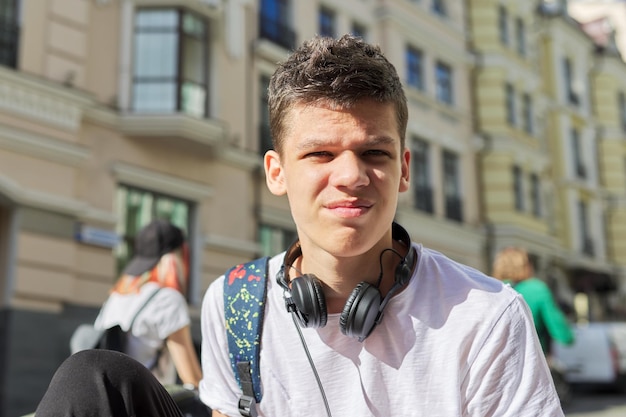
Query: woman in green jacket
513, 266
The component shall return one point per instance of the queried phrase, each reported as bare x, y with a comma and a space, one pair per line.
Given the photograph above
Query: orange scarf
171, 271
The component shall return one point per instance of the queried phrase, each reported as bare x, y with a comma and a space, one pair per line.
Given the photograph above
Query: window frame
519, 202
503, 25
568, 77
535, 192
123, 252
275, 23
421, 173
327, 22
279, 238
511, 108
265, 134
586, 241
527, 113
438, 7
10, 17
580, 170
181, 39
520, 35
444, 83
452, 185
359, 29
415, 68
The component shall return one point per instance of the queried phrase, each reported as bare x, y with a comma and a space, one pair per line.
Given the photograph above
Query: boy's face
342, 171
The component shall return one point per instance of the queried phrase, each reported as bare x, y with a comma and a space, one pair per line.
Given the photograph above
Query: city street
597, 404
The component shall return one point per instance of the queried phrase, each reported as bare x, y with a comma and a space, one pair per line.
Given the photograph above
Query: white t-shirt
165, 313
453, 343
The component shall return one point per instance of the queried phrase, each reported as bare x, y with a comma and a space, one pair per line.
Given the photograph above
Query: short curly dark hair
336, 72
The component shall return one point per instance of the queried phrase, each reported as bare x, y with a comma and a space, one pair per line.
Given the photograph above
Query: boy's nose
349, 171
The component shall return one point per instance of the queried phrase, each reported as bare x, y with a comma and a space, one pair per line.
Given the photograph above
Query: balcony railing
454, 208
423, 198
277, 31
9, 41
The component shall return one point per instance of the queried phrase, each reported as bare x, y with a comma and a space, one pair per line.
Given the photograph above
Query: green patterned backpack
244, 304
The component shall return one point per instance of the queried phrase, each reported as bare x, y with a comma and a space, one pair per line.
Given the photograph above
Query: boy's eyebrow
374, 141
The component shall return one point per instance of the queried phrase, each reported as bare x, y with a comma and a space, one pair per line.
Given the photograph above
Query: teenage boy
451, 342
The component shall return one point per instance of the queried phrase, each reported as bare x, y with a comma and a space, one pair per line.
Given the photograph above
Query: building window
275, 23
420, 164
622, 109
443, 75
535, 192
579, 166
327, 22
414, 68
503, 25
265, 135
527, 113
136, 208
518, 188
451, 186
509, 92
275, 239
359, 30
9, 32
170, 62
520, 34
571, 96
583, 224
439, 7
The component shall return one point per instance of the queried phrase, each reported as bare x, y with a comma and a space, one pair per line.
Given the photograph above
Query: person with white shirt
160, 337
148, 302
451, 342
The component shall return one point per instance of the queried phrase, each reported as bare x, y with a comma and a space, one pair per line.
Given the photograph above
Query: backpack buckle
247, 406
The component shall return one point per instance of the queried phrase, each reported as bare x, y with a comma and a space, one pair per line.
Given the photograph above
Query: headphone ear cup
358, 317
403, 272
308, 296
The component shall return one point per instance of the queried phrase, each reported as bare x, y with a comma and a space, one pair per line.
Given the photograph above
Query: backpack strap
244, 304
114, 338
130, 328
145, 303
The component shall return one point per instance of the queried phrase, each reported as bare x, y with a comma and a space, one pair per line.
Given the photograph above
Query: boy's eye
317, 154
369, 153
376, 152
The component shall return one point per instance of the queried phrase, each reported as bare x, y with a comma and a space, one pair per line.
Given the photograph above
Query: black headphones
363, 309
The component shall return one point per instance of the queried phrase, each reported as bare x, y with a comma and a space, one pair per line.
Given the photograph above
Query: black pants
98, 383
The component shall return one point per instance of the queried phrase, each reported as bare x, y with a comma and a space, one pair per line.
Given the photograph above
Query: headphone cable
308, 355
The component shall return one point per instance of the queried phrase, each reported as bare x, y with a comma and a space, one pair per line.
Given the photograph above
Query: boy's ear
274, 174
405, 170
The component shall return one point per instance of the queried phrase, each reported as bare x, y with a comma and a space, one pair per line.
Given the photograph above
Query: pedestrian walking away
148, 303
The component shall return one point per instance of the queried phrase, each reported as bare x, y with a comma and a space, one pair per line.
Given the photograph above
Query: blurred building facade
116, 111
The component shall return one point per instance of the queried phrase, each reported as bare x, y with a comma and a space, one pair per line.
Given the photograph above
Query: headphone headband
304, 295
293, 252
398, 233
